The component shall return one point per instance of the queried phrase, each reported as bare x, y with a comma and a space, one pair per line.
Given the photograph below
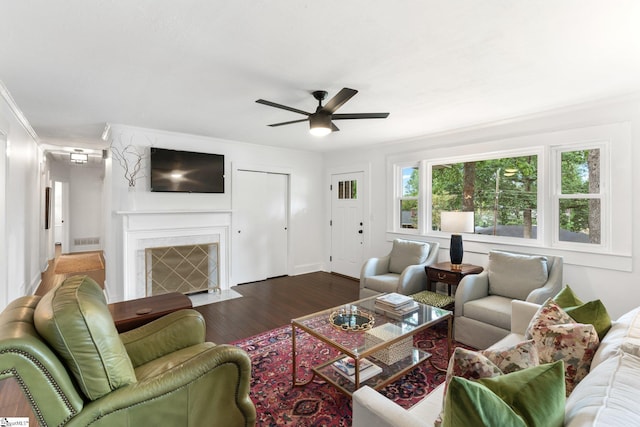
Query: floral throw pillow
514, 358
473, 365
467, 364
550, 313
557, 338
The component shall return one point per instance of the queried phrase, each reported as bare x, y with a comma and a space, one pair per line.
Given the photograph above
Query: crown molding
13, 107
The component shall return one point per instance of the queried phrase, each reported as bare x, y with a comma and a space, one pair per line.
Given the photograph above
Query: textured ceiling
198, 66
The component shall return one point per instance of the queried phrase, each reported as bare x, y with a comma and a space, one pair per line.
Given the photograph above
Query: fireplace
187, 269
168, 237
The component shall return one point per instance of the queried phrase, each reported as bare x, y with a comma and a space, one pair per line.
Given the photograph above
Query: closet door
259, 236
277, 223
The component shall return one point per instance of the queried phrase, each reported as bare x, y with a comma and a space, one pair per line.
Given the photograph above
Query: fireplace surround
143, 230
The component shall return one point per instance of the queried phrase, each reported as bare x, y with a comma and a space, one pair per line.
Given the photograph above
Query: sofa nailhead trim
27, 392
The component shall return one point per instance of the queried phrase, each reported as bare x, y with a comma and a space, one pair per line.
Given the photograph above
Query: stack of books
347, 368
396, 305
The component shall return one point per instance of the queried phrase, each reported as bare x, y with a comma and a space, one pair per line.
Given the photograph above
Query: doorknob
359, 231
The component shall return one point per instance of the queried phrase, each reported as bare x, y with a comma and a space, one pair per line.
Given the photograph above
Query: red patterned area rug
319, 403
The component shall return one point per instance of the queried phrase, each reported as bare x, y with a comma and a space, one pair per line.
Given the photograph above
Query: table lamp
456, 222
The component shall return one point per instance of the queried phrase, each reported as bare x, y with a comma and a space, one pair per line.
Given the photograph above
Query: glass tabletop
368, 327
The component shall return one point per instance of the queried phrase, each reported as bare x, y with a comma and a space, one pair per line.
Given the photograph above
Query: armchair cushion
177, 330
494, 310
516, 275
75, 320
405, 253
383, 283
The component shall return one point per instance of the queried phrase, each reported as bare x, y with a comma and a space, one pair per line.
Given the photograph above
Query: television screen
186, 172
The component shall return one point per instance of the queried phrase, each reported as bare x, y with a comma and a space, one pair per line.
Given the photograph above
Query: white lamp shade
457, 222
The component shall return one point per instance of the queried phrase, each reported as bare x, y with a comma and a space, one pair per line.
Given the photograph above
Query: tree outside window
580, 201
503, 193
410, 179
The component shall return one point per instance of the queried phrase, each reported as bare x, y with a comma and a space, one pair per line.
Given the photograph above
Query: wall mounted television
186, 171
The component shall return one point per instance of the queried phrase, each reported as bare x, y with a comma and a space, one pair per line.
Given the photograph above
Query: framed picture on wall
47, 208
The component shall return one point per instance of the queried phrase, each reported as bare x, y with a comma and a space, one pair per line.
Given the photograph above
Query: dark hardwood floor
264, 305
274, 302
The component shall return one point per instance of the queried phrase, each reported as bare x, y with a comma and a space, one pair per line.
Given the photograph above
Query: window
567, 190
579, 196
409, 193
502, 192
348, 189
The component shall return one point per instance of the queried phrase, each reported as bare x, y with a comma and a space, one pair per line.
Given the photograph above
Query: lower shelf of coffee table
389, 373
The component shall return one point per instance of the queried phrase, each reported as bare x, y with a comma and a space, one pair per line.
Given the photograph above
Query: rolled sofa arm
553, 285
471, 287
521, 314
211, 381
43, 379
371, 409
175, 331
374, 267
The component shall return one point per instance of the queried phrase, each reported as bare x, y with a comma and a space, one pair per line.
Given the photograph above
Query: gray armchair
401, 271
483, 301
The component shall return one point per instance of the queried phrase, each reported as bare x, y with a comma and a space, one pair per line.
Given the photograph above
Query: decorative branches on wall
131, 160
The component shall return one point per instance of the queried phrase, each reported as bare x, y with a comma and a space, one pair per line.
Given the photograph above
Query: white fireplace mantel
146, 229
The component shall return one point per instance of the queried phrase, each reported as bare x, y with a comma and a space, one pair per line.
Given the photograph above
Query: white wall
85, 216
22, 217
614, 278
306, 203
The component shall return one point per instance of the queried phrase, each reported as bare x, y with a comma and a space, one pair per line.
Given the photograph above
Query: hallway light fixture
79, 158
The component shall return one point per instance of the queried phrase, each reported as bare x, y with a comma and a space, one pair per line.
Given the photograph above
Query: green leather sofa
76, 370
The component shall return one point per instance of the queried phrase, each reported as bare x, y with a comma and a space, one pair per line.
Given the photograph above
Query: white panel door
259, 245
347, 225
276, 223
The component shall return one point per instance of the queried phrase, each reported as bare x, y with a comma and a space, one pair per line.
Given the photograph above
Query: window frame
603, 196
618, 178
399, 197
517, 152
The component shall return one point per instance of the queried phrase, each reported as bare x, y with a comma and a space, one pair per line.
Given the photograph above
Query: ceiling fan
320, 122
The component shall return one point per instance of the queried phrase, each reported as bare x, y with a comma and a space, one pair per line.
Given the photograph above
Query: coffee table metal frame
352, 343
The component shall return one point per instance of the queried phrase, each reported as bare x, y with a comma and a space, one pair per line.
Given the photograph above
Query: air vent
83, 241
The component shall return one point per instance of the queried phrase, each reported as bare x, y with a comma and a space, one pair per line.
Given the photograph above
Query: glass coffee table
362, 333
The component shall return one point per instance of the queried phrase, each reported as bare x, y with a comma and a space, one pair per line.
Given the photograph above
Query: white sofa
607, 396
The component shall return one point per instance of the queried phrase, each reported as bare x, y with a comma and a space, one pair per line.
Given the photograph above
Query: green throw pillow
592, 312
567, 298
531, 397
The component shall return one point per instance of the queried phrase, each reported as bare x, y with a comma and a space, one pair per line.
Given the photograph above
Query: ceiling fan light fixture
320, 124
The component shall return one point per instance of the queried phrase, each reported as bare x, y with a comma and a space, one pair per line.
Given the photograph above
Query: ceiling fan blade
334, 128
284, 107
360, 116
288, 123
341, 97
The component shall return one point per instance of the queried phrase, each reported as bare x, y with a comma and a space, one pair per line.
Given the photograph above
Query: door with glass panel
347, 223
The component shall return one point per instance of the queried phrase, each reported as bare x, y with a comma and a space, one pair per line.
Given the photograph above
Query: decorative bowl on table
351, 319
